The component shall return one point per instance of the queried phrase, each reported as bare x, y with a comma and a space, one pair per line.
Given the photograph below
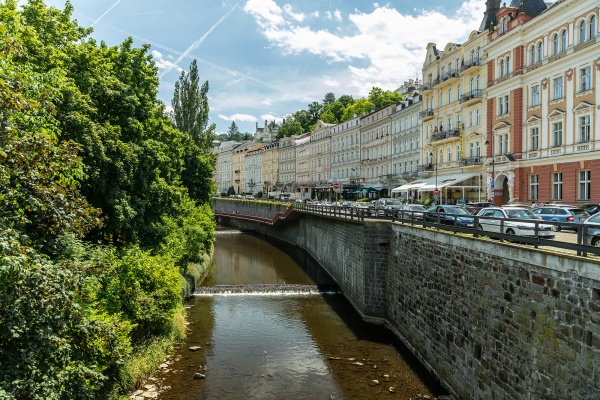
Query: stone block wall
496, 321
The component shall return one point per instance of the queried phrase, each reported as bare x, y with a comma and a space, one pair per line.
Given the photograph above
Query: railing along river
432, 220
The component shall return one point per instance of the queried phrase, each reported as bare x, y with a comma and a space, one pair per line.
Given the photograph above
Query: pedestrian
533, 204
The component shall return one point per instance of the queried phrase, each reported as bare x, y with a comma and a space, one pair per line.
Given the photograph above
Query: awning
448, 180
413, 185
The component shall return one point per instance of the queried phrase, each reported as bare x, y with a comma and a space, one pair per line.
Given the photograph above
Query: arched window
582, 32
478, 53
478, 82
449, 95
540, 52
532, 55
507, 64
472, 86
592, 27
563, 40
501, 68
473, 56
459, 92
504, 24
555, 44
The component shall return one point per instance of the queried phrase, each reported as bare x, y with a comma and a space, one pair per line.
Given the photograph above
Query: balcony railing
450, 74
427, 86
475, 94
445, 135
429, 167
237, 171
471, 161
426, 113
469, 64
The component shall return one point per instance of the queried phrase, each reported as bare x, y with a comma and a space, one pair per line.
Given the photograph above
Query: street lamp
487, 143
436, 192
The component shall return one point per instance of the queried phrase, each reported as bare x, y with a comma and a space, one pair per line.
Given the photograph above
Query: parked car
557, 213
591, 208
514, 221
449, 215
249, 197
518, 205
591, 235
366, 207
348, 203
388, 206
413, 211
474, 208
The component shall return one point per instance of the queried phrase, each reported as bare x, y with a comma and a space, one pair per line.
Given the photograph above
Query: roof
530, 7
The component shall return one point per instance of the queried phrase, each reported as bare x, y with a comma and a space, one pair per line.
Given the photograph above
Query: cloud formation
379, 48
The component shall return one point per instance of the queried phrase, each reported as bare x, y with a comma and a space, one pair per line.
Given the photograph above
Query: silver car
514, 221
591, 234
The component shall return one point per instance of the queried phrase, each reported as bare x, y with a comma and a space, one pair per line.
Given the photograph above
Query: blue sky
265, 59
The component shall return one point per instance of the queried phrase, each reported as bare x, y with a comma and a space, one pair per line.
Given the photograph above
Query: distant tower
489, 17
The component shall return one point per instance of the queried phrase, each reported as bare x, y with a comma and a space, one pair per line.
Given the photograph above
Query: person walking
533, 204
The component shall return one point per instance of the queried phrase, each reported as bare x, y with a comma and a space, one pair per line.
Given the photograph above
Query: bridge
490, 318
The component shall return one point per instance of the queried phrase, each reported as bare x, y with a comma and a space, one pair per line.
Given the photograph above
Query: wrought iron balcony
427, 86
471, 161
473, 95
426, 114
470, 64
449, 75
445, 135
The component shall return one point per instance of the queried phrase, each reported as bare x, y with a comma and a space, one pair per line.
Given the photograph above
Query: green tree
290, 128
346, 100
359, 107
303, 117
190, 107
381, 98
233, 131
314, 111
329, 98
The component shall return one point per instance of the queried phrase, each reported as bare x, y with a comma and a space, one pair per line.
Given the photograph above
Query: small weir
264, 290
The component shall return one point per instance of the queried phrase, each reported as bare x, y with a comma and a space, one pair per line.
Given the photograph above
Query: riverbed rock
334, 358
198, 375
195, 348
358, 363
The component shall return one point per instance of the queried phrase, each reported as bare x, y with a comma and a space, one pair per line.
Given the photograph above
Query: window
557, 186
503, 144
459, 92
450, 154
471, 150
501, 68
442, 99
585, 79
533, 187
478, 82
557, 134
473, 59
535, 95
534, 139
503, 105
555, 44
592, 33
449, 95
472, 85
532, 55
441, 156
558, 88
478, 148
508, 65
585, 183
471, 118
582, 32
584, 129
563, 41
478, 117
540, 52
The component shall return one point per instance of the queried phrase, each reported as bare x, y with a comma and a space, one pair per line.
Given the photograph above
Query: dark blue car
450, 215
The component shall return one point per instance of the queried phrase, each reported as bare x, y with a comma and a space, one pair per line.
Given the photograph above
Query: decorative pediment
534, 120
556, 115
501, 125
583, 108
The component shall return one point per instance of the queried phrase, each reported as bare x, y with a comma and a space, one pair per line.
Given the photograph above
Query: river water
284, 346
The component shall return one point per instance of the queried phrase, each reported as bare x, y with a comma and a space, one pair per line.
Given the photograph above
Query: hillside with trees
103, 207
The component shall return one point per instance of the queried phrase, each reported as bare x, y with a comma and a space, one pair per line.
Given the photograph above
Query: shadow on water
364, 331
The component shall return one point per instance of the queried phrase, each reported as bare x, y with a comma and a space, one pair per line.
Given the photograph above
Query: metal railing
450, 222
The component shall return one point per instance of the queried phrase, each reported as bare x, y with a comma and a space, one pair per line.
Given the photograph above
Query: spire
489, 17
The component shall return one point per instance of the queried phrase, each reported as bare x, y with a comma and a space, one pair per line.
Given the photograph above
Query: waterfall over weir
264, 290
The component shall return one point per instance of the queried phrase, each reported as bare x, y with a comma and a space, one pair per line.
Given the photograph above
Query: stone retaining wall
490, 320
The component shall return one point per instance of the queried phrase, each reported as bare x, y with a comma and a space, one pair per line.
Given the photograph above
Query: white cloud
297, 16
267, 102
162, 63
315, 14
238, 118
270, 117
337, 15
386, 47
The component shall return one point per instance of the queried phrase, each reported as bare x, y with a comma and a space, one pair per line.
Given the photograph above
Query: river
284, 346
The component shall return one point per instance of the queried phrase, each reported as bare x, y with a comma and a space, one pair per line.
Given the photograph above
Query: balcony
426, 115
449, 134
472, 97
450, 76
237, 171
427, 87
467, 65
470, 161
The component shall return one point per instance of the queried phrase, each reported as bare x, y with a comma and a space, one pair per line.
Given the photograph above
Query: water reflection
284, 347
